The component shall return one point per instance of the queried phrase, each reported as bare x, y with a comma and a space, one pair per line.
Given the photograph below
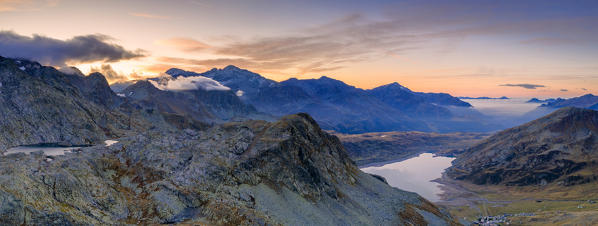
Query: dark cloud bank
79, 49
527, 86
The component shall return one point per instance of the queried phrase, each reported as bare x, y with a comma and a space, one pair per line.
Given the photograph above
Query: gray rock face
200, 105
38, 110
252, 173
561, 147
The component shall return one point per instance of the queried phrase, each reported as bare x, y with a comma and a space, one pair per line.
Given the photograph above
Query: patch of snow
110, 142
120, 94
130, 93
239, 93
22, 68
189, 83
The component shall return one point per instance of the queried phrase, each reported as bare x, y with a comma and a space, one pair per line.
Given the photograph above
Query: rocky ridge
289, 172
561, 147
40, 104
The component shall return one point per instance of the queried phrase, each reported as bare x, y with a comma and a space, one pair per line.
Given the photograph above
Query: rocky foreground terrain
289, 172
561, 147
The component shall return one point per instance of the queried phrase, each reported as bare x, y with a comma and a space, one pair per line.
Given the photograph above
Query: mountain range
170, 167
344, 108
587, 101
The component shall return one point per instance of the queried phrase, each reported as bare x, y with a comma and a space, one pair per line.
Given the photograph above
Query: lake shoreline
415, 174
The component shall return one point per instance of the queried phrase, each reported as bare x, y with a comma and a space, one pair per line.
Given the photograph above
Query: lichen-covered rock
288, 172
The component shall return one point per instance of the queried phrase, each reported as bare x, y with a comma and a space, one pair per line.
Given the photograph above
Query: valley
292, 113
157, 153
159, 156
378, 148
570, 197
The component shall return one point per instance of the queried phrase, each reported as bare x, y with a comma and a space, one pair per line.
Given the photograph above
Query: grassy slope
551, 204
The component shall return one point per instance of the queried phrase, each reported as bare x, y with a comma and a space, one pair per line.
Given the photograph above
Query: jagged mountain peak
395, 86
232, 68
175, 72
97, 76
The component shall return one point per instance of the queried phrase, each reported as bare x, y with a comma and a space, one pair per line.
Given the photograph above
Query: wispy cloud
184, 44
150, 16
199, 65
25, 5
110, 74
189, 83
323, 48
524, 85
79, 49
564, 90
406, 26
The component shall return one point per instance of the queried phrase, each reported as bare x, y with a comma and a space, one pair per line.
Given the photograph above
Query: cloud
184, 44
584, 89
188, 83
405, 26
25, 5
317, 49
110, 74
217, 62
149, 16
524, 85
79, 49
323, 48
564, 90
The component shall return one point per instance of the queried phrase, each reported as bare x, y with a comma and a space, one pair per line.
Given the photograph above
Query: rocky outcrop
213, 106
561, 147
40, 104
252, 173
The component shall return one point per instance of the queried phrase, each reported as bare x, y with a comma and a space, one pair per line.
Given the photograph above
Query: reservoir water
48, 149
51, 151
415, 174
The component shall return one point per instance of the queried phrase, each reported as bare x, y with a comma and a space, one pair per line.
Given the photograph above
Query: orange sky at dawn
465, 48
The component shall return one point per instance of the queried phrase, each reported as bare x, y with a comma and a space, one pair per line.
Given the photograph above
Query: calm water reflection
51, 151
414, 174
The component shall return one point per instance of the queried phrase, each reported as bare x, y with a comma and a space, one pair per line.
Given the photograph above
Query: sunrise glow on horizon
465, 48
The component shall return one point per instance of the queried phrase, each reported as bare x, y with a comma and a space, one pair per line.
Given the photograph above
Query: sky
518, 48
